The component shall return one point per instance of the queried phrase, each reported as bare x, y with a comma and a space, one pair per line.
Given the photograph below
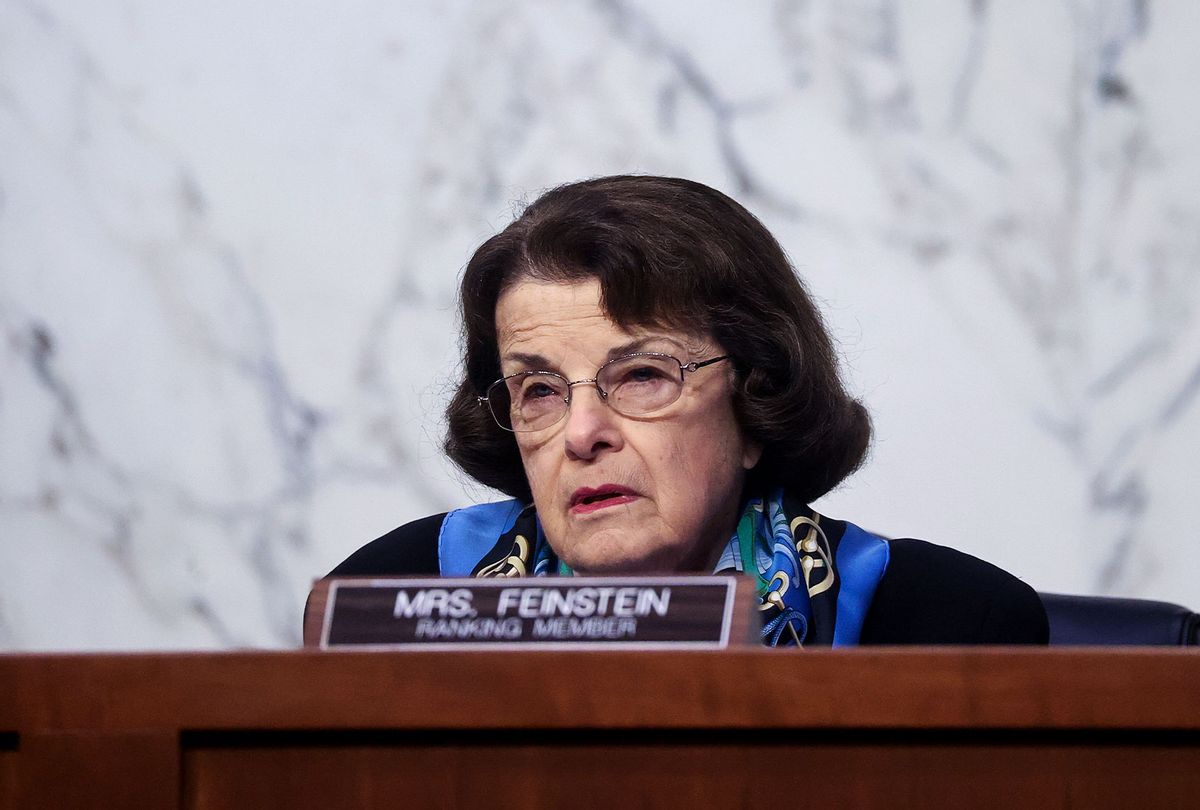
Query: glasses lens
529, 401
641, 383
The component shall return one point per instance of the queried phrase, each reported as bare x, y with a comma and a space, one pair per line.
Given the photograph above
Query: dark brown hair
669, 253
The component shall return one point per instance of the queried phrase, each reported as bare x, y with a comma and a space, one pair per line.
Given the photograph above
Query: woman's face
619, 494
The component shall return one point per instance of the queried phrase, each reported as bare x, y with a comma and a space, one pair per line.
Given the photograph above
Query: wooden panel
314, 613
8, 770
697, 771
867, 688
83, 770
855, 728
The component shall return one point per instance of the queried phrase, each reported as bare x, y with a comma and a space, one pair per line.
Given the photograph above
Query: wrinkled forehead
545, 318
631, 298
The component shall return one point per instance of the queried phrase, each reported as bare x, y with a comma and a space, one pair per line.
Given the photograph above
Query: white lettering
595, 627
585, 603
430, 601
605, 594
469, 629
625, 602
406, 606
648, 601
460, 603
557, 602
535, 602
507, 597
531, 603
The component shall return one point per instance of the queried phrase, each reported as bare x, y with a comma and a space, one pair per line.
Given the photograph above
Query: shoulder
411, 549
447, 544
931, 594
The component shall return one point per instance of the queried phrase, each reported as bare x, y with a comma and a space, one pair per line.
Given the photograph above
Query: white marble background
230, 234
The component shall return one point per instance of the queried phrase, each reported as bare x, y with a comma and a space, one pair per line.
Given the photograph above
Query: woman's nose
592, 427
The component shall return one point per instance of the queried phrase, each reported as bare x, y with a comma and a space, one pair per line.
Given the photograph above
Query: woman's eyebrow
530, 361
637, 345
539, 362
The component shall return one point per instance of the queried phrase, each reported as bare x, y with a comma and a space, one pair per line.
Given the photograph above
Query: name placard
708, 612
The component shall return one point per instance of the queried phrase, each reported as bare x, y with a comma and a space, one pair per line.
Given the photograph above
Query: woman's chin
604, 555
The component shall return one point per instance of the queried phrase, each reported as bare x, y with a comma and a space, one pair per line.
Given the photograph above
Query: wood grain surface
980, 727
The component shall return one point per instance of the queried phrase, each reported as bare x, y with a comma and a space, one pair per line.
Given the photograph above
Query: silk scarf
778, 541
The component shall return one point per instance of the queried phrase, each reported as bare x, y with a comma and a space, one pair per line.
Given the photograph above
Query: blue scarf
780, 543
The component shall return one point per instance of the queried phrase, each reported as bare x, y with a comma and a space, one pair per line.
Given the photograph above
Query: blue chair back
1104, 620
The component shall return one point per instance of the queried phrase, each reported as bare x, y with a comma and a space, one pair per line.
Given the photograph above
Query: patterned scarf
778, 541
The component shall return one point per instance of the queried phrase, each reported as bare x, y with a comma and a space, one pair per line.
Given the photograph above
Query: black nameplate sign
551, 612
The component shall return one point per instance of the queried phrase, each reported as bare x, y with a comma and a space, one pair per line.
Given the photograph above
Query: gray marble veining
230, 240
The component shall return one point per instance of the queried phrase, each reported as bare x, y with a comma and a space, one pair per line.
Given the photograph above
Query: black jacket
929, 594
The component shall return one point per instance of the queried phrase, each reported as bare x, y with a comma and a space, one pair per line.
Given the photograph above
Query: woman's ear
751, 453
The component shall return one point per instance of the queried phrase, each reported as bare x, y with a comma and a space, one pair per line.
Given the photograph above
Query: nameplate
710, 612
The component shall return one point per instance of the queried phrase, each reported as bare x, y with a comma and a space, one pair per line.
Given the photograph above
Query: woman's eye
538, 390
643, 374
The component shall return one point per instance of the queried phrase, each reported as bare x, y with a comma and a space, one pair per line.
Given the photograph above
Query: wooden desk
857, 728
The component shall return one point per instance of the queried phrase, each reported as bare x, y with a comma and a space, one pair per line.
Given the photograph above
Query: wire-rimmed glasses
632, 385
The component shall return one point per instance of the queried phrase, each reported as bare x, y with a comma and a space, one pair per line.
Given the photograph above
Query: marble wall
230, 235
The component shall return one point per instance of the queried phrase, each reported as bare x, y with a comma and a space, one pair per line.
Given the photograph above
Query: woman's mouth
586, 499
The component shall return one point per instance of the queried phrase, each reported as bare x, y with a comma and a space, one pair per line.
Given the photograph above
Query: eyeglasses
632, 385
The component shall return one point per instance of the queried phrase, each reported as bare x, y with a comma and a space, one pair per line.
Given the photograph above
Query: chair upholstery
1106, 620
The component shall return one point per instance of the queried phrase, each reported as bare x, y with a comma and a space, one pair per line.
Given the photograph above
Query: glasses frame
684, 368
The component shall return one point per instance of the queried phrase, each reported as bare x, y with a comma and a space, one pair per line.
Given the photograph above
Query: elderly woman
649, 381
